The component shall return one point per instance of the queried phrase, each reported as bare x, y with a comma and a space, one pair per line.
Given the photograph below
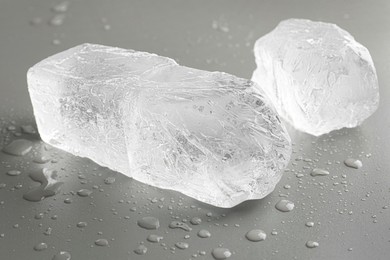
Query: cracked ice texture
205, 134
316, 75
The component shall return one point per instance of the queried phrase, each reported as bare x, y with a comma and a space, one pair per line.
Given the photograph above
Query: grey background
348, 206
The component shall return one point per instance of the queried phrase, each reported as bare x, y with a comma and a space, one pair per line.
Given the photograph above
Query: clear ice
206, 134
316, 75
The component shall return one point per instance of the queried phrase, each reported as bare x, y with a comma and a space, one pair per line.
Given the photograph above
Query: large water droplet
18, 147
353, 163
256, 235
178, 224
319, 172
49, 185
203, 233
141, 250
221, 253
284, 205
14, 173
101, 242
154, 238
149, 223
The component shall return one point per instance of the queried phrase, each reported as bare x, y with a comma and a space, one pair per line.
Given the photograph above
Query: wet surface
94, 215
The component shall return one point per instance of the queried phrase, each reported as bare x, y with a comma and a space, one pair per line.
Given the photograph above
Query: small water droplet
203, 233
141, 250
196, 221
178, 224
68, 201
63, 255
29, 129
220, 253
154, 238
149, 223
57, 20
182, 245
18, 147
84, 192
319, 172
41, 159
56, 42
109, 180
256, 235
353, 163
284, 205
14, 173
312, 244
309, 224
101, 242
40, 247
48, 231
81, 224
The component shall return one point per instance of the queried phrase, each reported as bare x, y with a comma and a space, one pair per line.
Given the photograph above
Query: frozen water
317, 76
205, 134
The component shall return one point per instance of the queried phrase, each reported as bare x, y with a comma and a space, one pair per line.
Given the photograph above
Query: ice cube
317, 76
205, 134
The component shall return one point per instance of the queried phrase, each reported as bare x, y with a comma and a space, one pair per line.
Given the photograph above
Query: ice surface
317, 76
205, 134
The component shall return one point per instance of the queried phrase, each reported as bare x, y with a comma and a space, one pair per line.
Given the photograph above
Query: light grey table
348, 207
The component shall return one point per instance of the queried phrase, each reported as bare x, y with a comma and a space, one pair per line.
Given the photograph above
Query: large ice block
205, 134
317, 75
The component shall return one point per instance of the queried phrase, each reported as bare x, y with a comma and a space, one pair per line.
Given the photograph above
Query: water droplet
149, 223
203, 233
84, 192
141, 250
221, 253
81, 224
353, 163
40, 247
101, 242
56, 42
68, 201
312, 244
309, 224
256, 235
18, 147
196, 221
14, 173
29, 129
49, 185
57, 20
41, 159
48, 231
154, 238
178, 224
319, 172
109, 180
63, 255
284, 205
182, 245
